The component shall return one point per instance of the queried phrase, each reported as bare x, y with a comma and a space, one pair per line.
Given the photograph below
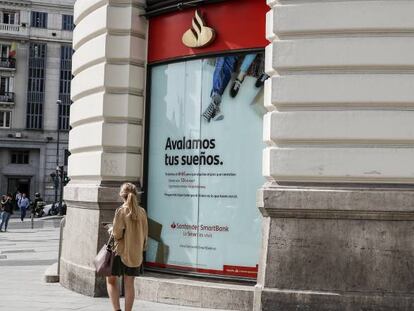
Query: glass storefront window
204, 165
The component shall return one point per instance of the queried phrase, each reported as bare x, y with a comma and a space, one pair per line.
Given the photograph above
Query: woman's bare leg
113, 291
129, 292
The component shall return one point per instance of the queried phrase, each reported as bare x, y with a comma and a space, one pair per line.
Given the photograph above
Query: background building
35, 71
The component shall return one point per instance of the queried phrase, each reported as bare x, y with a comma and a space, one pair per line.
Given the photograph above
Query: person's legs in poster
221, 78
247, 62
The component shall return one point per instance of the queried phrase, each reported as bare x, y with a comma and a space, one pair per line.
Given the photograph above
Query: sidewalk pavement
25, 254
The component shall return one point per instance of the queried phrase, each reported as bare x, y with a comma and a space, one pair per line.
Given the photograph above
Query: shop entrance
21, 184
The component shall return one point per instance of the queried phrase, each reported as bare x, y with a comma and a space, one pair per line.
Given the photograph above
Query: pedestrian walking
7, 207
15, 199
130, 233
23, 205
18, 196
3, 199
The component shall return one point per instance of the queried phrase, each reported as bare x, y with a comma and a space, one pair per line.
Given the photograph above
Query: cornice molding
358, 203
16, 3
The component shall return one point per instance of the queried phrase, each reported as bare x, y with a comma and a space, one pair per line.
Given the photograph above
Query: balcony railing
6, 97
14, 30
7, 62
9, 27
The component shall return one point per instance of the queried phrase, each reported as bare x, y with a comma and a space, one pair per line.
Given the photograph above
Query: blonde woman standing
130, 231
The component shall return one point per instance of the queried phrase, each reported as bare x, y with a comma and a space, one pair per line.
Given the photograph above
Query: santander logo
173, 225
199, 35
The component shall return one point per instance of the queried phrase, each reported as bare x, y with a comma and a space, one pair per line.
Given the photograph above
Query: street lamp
58, 103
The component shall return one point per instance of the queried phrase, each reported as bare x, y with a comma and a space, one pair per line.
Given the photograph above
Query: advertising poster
205, 165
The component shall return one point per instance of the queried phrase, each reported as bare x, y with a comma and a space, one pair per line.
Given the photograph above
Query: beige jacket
130, 236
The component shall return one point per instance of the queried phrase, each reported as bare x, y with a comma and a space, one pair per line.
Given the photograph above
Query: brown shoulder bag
105, 258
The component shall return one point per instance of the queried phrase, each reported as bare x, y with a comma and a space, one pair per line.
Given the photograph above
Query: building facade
35, 72
336, 138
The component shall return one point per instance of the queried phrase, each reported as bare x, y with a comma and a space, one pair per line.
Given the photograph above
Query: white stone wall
341, 96
107, 90
106, 136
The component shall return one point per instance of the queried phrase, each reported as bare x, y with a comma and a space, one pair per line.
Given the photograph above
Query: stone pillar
338, 206
107, 133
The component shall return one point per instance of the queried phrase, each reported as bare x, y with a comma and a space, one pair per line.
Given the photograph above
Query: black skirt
119, 268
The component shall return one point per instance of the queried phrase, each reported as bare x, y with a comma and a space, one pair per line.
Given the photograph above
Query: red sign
247, 272
238, 25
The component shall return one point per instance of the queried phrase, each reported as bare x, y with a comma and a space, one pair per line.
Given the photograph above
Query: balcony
9, 27
6, 97
8, 63
13, 30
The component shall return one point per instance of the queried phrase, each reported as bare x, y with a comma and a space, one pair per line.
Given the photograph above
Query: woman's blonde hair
129, 193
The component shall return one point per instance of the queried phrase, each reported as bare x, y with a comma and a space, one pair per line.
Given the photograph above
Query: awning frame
158, 7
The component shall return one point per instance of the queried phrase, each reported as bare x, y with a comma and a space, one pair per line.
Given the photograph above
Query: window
4, 85
4, 50
7, 59
64, 85
203, 129
10, 18
36, 86
5, 119
67, 22
37, 50
39, 19
19, 157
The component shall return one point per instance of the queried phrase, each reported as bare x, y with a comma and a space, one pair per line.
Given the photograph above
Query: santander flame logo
173, 225
199, 35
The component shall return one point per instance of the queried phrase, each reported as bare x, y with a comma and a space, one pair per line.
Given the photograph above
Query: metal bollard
62, 225
32, 219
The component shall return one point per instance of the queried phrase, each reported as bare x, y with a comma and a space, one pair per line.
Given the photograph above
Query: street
25, 254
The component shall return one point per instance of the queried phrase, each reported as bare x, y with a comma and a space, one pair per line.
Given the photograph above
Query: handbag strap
111, 241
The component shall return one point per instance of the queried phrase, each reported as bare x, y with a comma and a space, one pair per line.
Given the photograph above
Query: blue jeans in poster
221, 78
222, 74
247, 61
5, 216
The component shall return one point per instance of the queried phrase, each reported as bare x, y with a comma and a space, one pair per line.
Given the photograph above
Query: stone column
339, 203
107, 133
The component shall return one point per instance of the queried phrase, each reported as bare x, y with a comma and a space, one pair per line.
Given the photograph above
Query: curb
49, 218
51, 275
